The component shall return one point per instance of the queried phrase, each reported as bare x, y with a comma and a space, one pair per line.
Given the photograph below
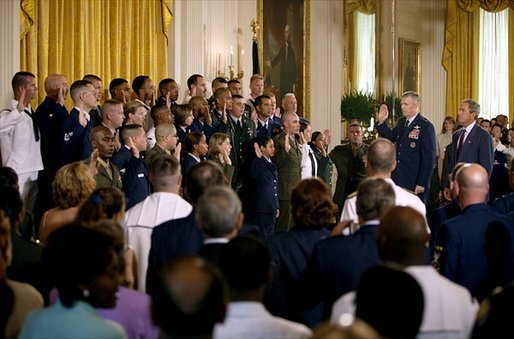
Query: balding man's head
472, 185
381, 158
190, 299
402, 236
53, 83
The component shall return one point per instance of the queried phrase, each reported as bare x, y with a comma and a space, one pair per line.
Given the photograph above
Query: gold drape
109, 38
351, 6
460, 55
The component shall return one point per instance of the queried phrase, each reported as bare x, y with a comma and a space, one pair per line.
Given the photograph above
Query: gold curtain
460, 55
351, 6
109, 38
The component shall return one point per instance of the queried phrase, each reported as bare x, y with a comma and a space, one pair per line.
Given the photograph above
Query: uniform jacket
135, 181
288, 166
350, 170
76, 145
265, 175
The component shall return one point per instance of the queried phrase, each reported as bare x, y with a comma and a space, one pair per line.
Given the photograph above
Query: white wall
10, 51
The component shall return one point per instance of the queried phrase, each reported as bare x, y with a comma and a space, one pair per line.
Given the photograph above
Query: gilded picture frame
409, 66
285, 67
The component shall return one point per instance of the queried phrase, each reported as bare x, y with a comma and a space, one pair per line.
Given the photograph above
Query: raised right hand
383, 113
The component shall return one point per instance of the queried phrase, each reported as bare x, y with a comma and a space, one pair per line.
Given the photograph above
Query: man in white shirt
19, 137
163, 205
256, 89
449, 310
245, 264
380, 163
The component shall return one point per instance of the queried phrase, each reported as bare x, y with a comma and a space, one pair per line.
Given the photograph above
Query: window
493, 88
364, 53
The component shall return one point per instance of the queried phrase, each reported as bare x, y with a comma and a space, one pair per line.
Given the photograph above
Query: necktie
286, 50
406, 123
34, 123
239, 124
461, 142
313, 164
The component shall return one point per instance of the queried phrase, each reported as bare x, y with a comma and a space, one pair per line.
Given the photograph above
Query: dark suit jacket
478, 148
211, 252
336, 266
462, 241
135, 181
206, 129
76, 145
290, 252
350, 170
415, 151
51, 117
265, 176
272, 130
172, 239
505, 204
442, 214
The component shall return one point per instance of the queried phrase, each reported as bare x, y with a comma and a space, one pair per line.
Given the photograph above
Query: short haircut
218, 211
73, 262
201, 176
77, 88
304, 123
191, 140
130, 131
312, 205
473, 106
381, 155
485, 120
233, 81
72, 185
164, 171
156, 110
256, 77
193, 80
287, 115
374, 198
90, 77
219, 80
131, 107
237, 96
288, 95
258, 100
497, 125
108, 106
114, 85
8, 177
189, 299
96, 130
11, 203
220, 92
164, 129
181, 112
413, 95
138, 82
269, 94
245, 263
104, 203
263, 141
20, 79
165, 82
355, 124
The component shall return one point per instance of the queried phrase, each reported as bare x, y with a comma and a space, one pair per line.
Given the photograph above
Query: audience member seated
181, 237
449, 309
18, 299
245, 264
72, 185
163, 205
337, 263
86, 276
189, 299
313, 213
219, 216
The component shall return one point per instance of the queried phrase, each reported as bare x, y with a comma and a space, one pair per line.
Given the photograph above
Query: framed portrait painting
284, 49
409, 64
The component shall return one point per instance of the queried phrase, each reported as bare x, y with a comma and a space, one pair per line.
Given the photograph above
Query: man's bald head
52, 84
381, 157
402, 236
472, 184
191, 298
99, 132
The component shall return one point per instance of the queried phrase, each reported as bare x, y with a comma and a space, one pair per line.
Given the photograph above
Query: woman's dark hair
263, 141
11, 203
104, 203
312, 204
315, 135
75, 256
8, 177
190, 141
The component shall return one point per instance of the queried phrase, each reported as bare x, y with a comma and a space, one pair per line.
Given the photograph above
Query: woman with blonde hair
72, 185
219, 151
134, 113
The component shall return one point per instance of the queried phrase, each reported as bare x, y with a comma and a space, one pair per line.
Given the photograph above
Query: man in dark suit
471, 143
76, 145
349, 161
414, 136
337, 263
265, 124
182, 237
464, 242
242, 132
108, 174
